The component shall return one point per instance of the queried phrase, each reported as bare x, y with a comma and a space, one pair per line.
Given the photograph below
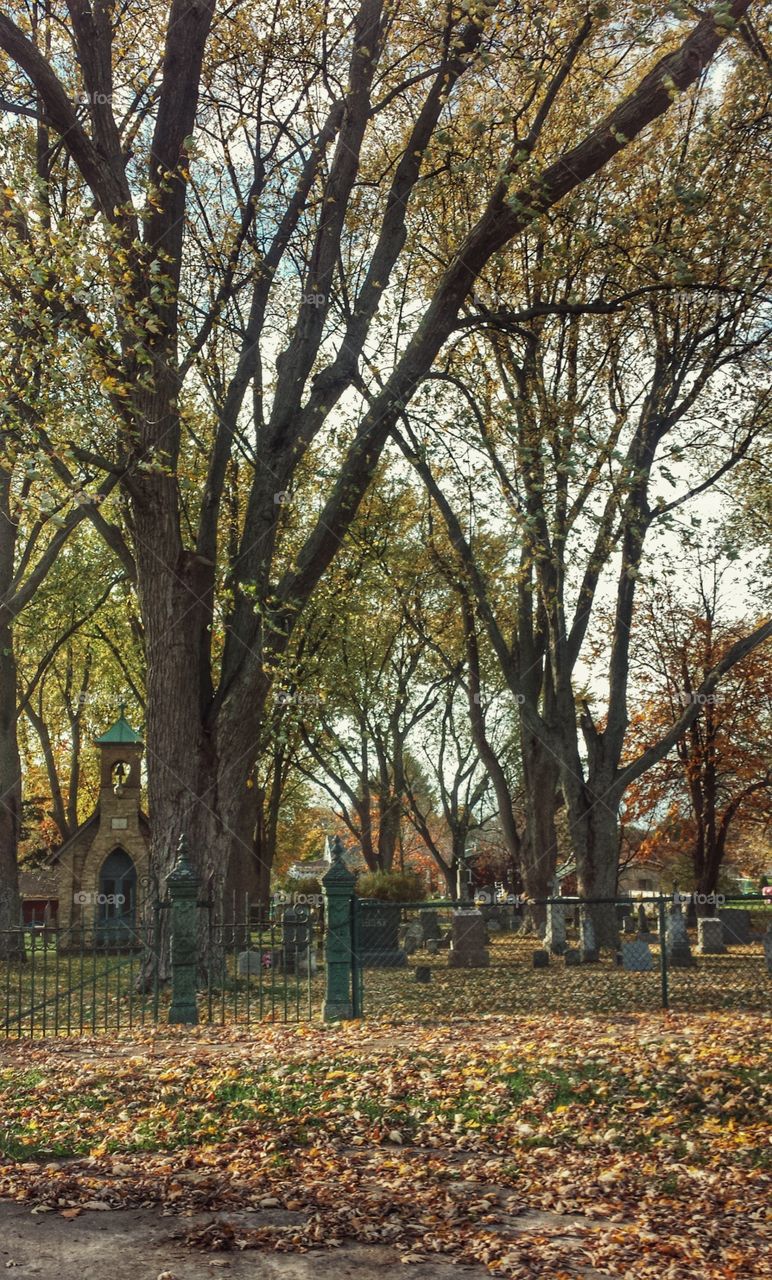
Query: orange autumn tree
716, 783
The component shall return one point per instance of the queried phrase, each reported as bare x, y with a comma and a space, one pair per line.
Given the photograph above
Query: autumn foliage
710, 800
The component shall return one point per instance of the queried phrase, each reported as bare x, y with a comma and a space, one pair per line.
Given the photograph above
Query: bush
302, 884
391, 886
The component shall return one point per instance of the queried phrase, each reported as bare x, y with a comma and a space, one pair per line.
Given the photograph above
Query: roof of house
41, 883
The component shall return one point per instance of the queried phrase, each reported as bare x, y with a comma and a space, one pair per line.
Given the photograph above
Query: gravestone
645, 932
433, 946
507, 917
430, 924
423, 973
469, 939
679, 952
636, 957
555, 932
710, 936
737, 926
412, 936
307, 962
588, 950
629, 925
379, 935
541, 959
251, 963
768, 948
572, 958
623, 909
296, 949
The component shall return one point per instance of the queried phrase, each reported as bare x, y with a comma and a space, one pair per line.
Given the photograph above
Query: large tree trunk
538, 849
390, 817
11, 938
707, 881
595, 833
184, 795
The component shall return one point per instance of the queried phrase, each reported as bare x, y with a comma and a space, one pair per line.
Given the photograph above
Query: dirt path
145, 1244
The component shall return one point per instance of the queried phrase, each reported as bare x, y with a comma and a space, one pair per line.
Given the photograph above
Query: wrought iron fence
251, 965
262, 965
78, 981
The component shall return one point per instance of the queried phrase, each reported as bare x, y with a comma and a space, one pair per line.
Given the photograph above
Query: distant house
312, 868
39, 892
315, 868
642, 877
102, 869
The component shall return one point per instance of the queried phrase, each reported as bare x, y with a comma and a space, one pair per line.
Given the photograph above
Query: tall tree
718, 777
236, 243
644, 353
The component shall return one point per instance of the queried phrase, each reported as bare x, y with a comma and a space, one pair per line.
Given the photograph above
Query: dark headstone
295, 928
541, 959
679, 951
469, 941
430, 924
297, 953
423, 973
636, 957
737, 926
572, 958
379, 936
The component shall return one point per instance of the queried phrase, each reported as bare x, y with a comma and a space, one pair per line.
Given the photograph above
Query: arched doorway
117, 902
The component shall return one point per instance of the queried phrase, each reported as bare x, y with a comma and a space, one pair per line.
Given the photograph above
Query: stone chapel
102, 868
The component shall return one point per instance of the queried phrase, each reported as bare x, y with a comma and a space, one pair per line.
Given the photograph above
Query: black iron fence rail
278, 965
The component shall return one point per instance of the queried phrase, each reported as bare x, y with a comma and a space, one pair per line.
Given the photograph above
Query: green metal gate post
338, 889
663, 952
182, 883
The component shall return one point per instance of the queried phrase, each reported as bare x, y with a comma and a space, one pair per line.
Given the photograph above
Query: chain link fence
511, 957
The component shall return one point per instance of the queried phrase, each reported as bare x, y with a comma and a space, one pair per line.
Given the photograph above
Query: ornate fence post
338, 889
663, 974
182, 883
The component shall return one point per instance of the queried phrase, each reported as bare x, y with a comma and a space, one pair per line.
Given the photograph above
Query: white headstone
587, 945
555, 933
710, 936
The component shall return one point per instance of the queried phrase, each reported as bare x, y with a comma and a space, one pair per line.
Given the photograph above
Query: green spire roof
121, 731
